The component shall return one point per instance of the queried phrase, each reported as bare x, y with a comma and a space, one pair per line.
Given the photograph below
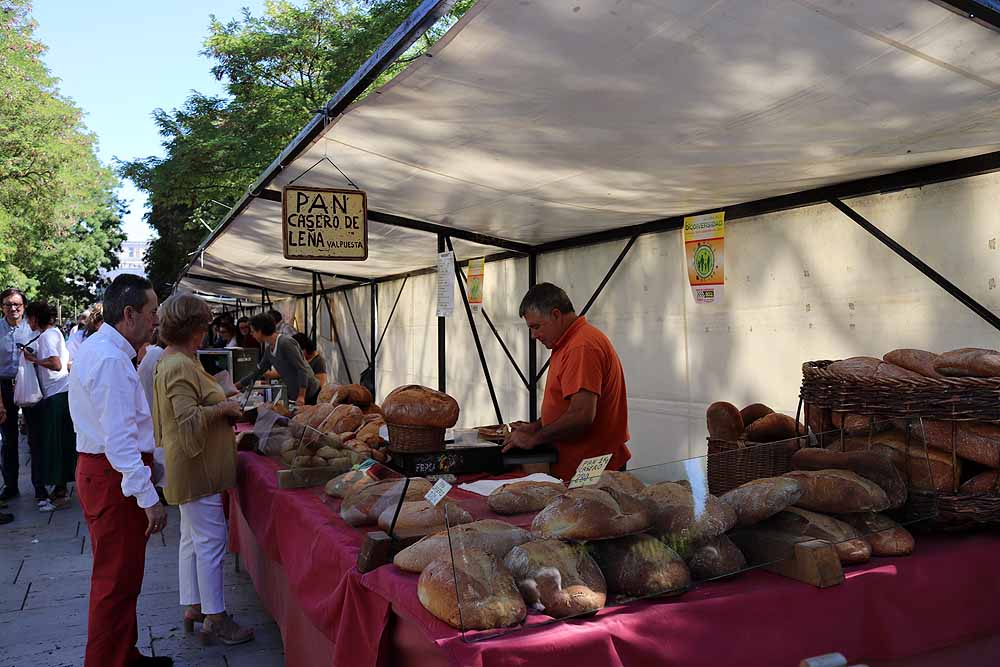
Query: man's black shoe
152, 661
5, 518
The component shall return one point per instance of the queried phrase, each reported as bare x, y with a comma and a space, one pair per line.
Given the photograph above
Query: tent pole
441, 331
357, 331
336, 336
600, 288
374, 333
479, 344
392, 312
919, 265
315, 307
532, 347
496, 334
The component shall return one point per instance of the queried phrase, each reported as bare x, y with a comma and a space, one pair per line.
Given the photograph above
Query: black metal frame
971, 9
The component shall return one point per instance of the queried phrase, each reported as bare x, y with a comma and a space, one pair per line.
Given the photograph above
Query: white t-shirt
51, 344
74, 341
147, 372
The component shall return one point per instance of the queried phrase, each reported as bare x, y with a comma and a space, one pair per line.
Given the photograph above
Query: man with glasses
14, 331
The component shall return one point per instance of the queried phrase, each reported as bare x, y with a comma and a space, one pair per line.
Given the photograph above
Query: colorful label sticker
705, 251
437, 492
477, 272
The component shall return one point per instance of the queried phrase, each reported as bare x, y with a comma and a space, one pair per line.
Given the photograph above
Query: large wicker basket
733, 463
405, 439
913, 399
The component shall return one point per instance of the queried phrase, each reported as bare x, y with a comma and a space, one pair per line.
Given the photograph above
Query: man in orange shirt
585, 407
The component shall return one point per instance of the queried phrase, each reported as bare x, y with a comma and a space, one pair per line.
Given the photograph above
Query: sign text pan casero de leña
324, 223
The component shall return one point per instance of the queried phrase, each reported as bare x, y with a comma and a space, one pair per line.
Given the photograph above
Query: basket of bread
417, 418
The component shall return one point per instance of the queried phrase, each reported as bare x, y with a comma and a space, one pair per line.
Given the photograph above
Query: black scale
467, 460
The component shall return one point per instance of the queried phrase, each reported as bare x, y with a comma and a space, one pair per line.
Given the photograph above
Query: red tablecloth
889, 608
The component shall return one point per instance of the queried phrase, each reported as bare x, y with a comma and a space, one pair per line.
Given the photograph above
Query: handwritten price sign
589, 471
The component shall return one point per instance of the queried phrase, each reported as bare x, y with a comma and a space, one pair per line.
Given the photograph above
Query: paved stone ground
45, 566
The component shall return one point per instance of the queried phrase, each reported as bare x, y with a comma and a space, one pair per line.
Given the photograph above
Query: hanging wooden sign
324, 223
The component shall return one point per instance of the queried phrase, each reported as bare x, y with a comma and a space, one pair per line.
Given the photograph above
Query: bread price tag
589, 471
365, 465
437, 492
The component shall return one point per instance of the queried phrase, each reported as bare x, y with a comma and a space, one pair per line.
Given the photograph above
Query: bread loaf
326, 393
413, 405
753, 412
918, 361
319, 417
969, 362
587, 513
887, 370
620, 483
858, 366
557, 578
521, 497
762, 498
859, 424
922, 468
343, 419
886, 537
976, 441
983, 483
347, 483
419, 517
838, 491
639, 566
672, 510
489, 596
871, 465
354, 394
367, 504
718, 557
845, 539
489, 535
774, 427
724, 422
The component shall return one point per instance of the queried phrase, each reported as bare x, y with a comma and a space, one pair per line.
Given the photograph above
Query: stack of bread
754, 424
932, 457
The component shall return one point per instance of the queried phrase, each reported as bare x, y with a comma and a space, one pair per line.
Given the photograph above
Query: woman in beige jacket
191, 422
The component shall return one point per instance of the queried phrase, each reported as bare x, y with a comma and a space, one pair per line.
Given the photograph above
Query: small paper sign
437, 492
477, 270
705, 250
445, 284
365, 465
589, 471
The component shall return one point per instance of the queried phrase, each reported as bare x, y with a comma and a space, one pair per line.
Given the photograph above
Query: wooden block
797, 557
379, 549
300, 478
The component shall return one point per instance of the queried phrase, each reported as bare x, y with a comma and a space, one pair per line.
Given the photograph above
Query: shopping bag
27, 391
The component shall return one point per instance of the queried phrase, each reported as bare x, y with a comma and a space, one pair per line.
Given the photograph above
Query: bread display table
301, 557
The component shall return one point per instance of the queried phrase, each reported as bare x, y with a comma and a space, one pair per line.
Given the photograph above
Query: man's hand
527, 427
157, 515
522, 438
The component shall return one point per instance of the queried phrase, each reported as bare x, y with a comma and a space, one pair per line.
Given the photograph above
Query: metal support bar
496, 334
479, 343
442, 326
919, 265
336, 335
339, 276
450, 232
361, 341
234, 283
977, 10
597, 292
315, 310
532, 348
389, 320
374, 332
306, 308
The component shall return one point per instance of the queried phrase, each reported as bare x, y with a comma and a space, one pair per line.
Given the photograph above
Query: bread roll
620, 482
343, 419
969, 362
365, 505
838, 492
347, 483
762, 498
353, 394
672, 509
587, 513
521, 497
774, 427
871, 465
918, 361
489, 535
718, 557
489, 596
557, 578
922, 468
886, 537
845, 539
724, 422
419, 517
887, 370
413, 405
976, 441
639, 566
753, 412
983, 483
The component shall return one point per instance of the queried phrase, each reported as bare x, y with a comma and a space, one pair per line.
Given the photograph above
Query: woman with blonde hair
191, 421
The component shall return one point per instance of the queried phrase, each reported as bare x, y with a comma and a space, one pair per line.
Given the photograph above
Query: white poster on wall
446, 284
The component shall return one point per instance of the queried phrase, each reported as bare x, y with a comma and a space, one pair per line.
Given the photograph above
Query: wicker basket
404, 439
733, 463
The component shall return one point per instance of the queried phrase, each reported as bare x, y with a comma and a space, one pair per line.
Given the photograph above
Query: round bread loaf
365, 505
640, 565
521, 497
488, 594
354, 394
413, 405
850, 547
419, 517
753, 412
347, 483
343, 419
490, 535
327, 392
587, 514
762, 498
673, 512
872, 465
774, 427
620, 482
838, 492
724, 421
718, 557
557, 578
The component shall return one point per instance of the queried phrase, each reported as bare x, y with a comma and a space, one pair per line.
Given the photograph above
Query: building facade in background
130, 260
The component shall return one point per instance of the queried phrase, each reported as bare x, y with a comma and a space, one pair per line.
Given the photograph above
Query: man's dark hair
263, 323
41, 312
307, 344
543, 298
11, 291
242, 320
126, 290
275, 315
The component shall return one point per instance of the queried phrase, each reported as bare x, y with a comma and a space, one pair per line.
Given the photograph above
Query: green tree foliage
279, 68
60, 222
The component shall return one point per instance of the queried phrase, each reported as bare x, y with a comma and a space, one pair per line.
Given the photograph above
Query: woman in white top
53, 424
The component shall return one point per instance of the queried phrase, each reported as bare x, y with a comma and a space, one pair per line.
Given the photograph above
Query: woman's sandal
190, 618
226, 631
